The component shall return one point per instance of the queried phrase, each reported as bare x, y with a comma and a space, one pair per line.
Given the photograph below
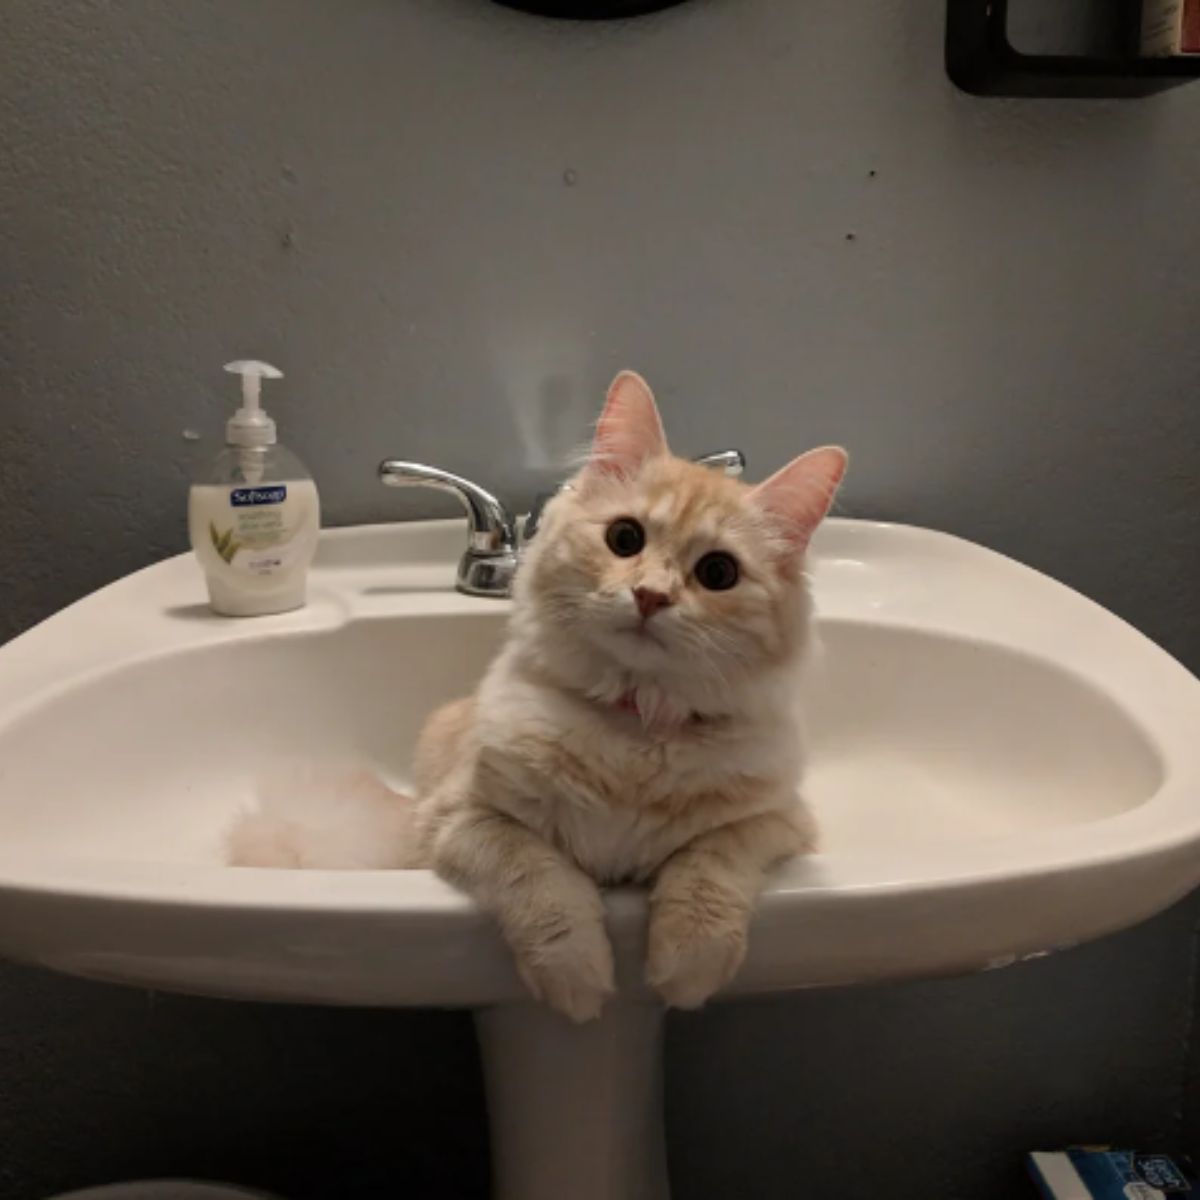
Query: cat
639, 725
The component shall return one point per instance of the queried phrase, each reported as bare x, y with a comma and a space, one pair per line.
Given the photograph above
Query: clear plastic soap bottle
253, 512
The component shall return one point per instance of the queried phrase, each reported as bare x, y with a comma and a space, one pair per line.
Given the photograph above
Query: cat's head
663, 569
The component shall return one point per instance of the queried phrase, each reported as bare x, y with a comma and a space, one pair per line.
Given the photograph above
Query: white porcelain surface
1000, 767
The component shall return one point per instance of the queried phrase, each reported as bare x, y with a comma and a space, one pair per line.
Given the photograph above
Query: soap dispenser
253, 512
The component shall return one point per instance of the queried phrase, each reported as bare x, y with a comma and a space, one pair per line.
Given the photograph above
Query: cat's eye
716, 571
625, 537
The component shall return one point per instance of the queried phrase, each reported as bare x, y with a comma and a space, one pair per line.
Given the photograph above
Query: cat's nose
649, 601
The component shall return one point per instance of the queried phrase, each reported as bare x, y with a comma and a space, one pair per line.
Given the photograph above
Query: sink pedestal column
575, 1111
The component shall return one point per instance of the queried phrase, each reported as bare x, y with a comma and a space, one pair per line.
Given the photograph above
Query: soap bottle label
242, 497
257, 531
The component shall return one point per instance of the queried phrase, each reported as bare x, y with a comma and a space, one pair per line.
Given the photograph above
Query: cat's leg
703, 899
550, 912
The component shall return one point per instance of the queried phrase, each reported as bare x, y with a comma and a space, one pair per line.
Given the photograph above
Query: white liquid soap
254, 513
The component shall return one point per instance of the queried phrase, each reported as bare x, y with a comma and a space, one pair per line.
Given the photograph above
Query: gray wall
450, 224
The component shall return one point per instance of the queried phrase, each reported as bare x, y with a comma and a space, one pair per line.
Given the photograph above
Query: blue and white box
1085, 1173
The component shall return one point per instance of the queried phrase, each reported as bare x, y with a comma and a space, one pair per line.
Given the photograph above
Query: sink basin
999, 767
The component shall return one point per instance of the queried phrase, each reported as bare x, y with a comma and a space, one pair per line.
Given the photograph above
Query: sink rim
141, 618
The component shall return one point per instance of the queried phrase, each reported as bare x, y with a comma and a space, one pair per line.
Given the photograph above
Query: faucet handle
732, 462
489, 526
487, 567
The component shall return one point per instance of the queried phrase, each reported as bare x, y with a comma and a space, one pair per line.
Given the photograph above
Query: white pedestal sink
1000, 767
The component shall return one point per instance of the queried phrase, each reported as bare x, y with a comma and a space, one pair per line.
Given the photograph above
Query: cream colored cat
640, 723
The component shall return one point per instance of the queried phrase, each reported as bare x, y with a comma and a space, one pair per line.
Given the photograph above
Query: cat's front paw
570, 969
693, 954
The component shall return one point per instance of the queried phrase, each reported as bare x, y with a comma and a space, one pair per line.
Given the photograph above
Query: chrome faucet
494, 539
490, 561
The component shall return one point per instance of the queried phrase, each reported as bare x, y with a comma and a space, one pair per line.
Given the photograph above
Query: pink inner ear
800, 494
629, 430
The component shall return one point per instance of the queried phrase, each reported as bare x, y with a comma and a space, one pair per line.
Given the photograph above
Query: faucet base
491, 577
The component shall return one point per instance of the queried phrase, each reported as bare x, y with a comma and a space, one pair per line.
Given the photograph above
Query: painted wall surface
450, 224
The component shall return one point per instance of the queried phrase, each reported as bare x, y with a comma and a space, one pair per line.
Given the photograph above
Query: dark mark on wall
570, 177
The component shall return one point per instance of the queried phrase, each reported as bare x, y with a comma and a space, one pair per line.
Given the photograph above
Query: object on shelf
1170, 27
984, 58
1161, 27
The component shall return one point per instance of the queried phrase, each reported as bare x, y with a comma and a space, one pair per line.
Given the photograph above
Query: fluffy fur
324, 816
610, 743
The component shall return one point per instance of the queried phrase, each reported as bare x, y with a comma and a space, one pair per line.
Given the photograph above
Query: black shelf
981, 59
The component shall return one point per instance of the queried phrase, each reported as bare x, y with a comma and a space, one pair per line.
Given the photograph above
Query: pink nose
649, 601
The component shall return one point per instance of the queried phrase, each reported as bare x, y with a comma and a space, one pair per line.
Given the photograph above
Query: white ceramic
1001, 768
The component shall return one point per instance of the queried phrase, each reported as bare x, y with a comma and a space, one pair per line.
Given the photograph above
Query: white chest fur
616, 798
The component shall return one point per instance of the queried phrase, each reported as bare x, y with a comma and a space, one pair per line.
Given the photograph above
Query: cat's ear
629, 430
799, 495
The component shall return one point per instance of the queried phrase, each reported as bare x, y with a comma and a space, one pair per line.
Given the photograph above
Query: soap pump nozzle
250, 426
